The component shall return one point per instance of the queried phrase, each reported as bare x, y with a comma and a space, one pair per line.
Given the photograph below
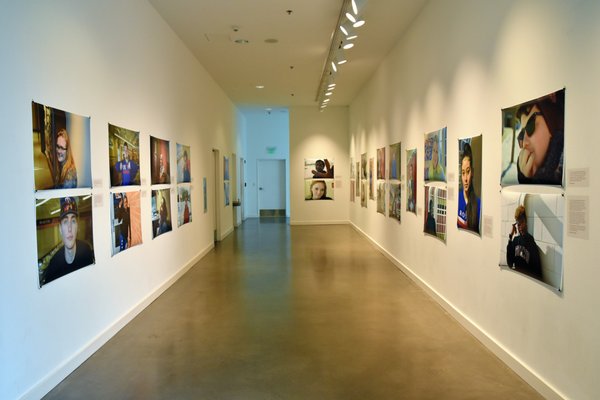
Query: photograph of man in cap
75, 253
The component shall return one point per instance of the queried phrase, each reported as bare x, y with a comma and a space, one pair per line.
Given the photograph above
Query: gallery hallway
301, 312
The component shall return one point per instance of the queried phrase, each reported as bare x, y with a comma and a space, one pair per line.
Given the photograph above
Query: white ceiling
290, 69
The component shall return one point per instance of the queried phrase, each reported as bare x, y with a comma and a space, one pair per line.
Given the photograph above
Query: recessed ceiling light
271, 40
260, 86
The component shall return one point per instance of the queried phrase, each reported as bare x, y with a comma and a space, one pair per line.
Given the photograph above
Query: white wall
457, 66
118, 62
265, 130
315, 134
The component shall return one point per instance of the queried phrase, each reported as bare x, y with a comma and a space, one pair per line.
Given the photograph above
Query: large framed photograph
318, 168
533, 137
160, 161
61, 149
435, 204
318, 189
469, 193
184, 168
125, 215
123, 156
161, 212
435, 156
64, 236
532, 236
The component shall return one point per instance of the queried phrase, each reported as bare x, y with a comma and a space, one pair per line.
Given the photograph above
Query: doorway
271, 188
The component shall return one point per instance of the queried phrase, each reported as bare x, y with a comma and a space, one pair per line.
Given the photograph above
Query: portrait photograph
61, 149
469, 191
318, 168
159, 161
184, 204
184, 169
123, 156
411, 180
381, 163
395, 166
161, 212
64, 236
533, 137
435, 156
126, 218
381, 197
318, 189
532, 236
394, 205
352, 190
435, 212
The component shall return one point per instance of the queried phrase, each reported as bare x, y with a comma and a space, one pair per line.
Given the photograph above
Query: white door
271, 187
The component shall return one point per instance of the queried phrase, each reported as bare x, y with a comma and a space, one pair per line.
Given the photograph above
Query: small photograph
411, 180
184, 204
532, 236
469, 193
533, 136
363, 193
125, 214
395, 161
357, 179
371, 180
315, 168
226, 190
184, 169
435, 216
160, 161
318, 189
352, 195
394, 205
363, 165
225, 168
123, 156
64, 236
61, 149
381, 163
381, 197
435, 156
205, 194
161, 212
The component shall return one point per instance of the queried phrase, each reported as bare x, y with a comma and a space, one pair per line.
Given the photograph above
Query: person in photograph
323, 169
66, 176
522, 253
541, 140
318, 191
126, 169
124, 214
163, 173
469, 205
436, 171
430, 222
74, 253
410, 187
186, 167
163, 226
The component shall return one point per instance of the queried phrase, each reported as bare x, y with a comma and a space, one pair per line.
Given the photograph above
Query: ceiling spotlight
328, 93
351, 17
358, 23
354, 7
326, 100
333, 66
260, 86
331, 85
347, 46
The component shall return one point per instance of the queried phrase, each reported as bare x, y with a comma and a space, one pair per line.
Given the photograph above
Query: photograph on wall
184, 204
435, 214
225, 168
352, 195
205, 194
381, 197
226, 192
123, 156
395, 161
318, 168
61, 149
532, 235
64, 236
363, 193
161, 212
125, 215
184, 169
357, 179
381, 163
533, 141
394, 206
363, 165
469, 192
160, 161
318, 189
411, 180
371, 180
435, 156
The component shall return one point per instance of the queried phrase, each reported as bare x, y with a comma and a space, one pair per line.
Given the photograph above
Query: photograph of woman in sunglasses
533, 141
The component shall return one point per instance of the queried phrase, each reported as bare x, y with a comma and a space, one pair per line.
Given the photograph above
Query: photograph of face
533, 141
184, 169
394, 205
435, 212
318, 168
395, 161
123, 156
381, 163
184, 204
161, 212
381, 197
411, 180
160, 161
435, 156
318, 189
125, 215
61, 148
532, 235
469, 198
64, 236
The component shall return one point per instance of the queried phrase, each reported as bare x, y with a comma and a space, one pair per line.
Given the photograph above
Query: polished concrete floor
302, 312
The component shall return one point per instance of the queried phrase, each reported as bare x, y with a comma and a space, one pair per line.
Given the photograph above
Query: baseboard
511, 360
47, 383
226, 233
340, 222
